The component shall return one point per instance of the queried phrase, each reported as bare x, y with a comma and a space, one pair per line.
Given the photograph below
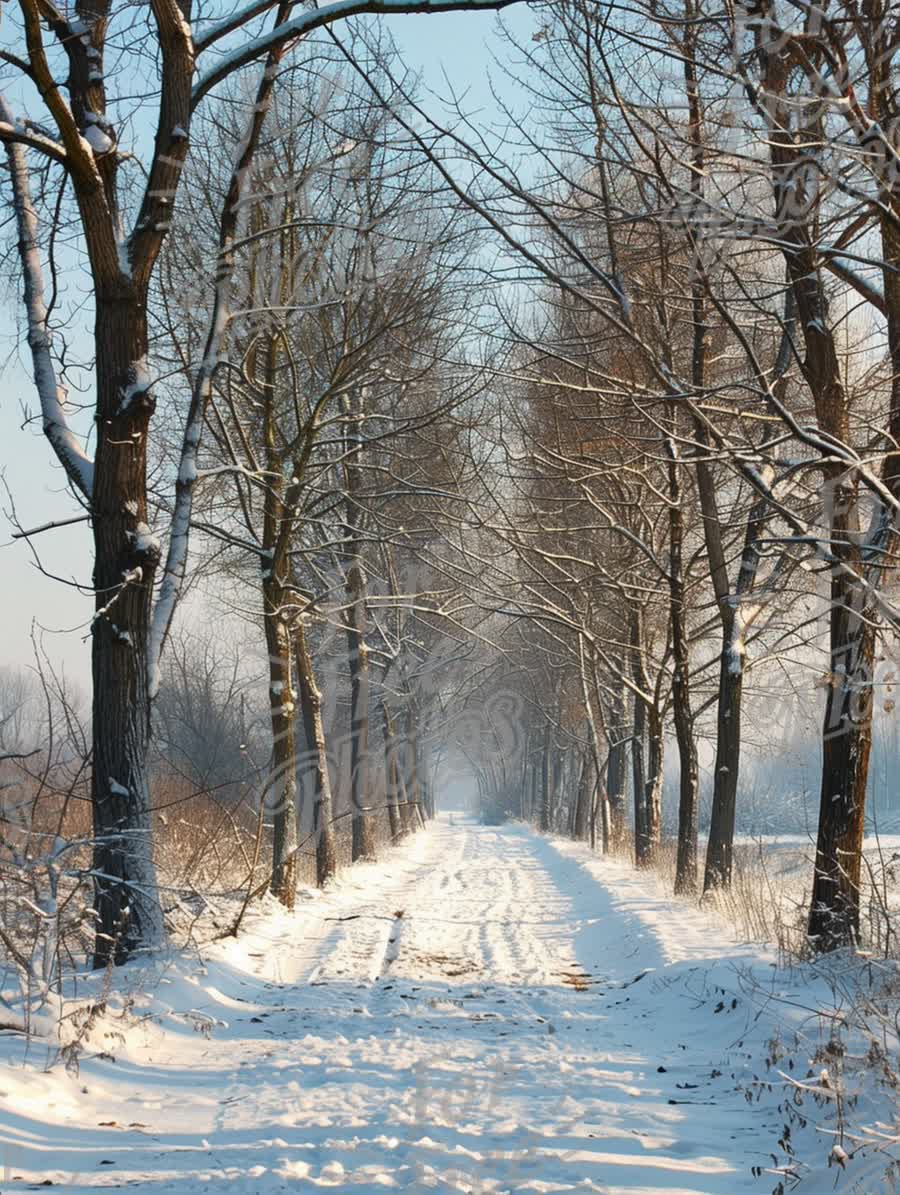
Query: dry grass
210, 850
768, 901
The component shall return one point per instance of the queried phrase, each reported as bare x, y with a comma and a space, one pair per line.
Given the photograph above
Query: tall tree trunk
558, 788
647, 729
124, 655
688, 778
282, 791
846, 728
653, 800
600, 806
392, 774
584, 801
639, 785
126, 898
363, 837
834, 917
523, 789
846, 744
399, 756
615, 788
597, 795
616, 765
311, 709
363, 846
648, 779
411, 761
425, 783
545, 780
720, 848
276, 616
689, 783
846, 732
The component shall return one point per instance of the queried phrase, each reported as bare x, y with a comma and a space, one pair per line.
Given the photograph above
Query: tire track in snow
441, 1050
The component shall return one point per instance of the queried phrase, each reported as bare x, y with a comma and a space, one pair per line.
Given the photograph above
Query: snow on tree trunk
363, 828
846, 745
282, 785
125, 561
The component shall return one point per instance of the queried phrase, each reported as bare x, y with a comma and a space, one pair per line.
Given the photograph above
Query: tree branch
318, 18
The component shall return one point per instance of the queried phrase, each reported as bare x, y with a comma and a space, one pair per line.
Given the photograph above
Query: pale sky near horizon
462, 46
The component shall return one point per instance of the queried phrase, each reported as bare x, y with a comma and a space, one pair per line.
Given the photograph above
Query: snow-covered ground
484, 1011
769, 898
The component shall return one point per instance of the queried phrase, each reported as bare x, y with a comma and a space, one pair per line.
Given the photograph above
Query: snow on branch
24, 134
78, 465
175, 567
869, 290
316, 18
216, 30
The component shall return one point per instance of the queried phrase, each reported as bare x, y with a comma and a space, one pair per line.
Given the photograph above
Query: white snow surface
99, 141
484, 1010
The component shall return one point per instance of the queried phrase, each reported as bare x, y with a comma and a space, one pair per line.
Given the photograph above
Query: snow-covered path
487, 1011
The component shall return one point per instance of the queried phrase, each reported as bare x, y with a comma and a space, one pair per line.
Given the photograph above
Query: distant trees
203, 716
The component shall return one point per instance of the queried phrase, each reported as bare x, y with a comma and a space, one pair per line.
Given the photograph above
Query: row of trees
705, 410
289, 299
529, 445
697, 469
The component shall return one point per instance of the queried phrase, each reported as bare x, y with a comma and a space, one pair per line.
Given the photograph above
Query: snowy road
487, 1011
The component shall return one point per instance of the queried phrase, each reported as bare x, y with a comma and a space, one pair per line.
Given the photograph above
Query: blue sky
458, 49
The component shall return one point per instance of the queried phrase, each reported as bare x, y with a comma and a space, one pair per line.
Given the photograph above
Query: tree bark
616, 770
846, 732
311, 708
597, 795
653, 800
126, 900
639, 787
523, 790
647, 728
545, 780
275, 598
583, 803
688, 778
834, 918
363, 845
411, 761
720, 847
846, 744
428, 788
363, 835
282, 790
392, 774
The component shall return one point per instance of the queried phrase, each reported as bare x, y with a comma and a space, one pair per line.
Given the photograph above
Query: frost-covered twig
78, 465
